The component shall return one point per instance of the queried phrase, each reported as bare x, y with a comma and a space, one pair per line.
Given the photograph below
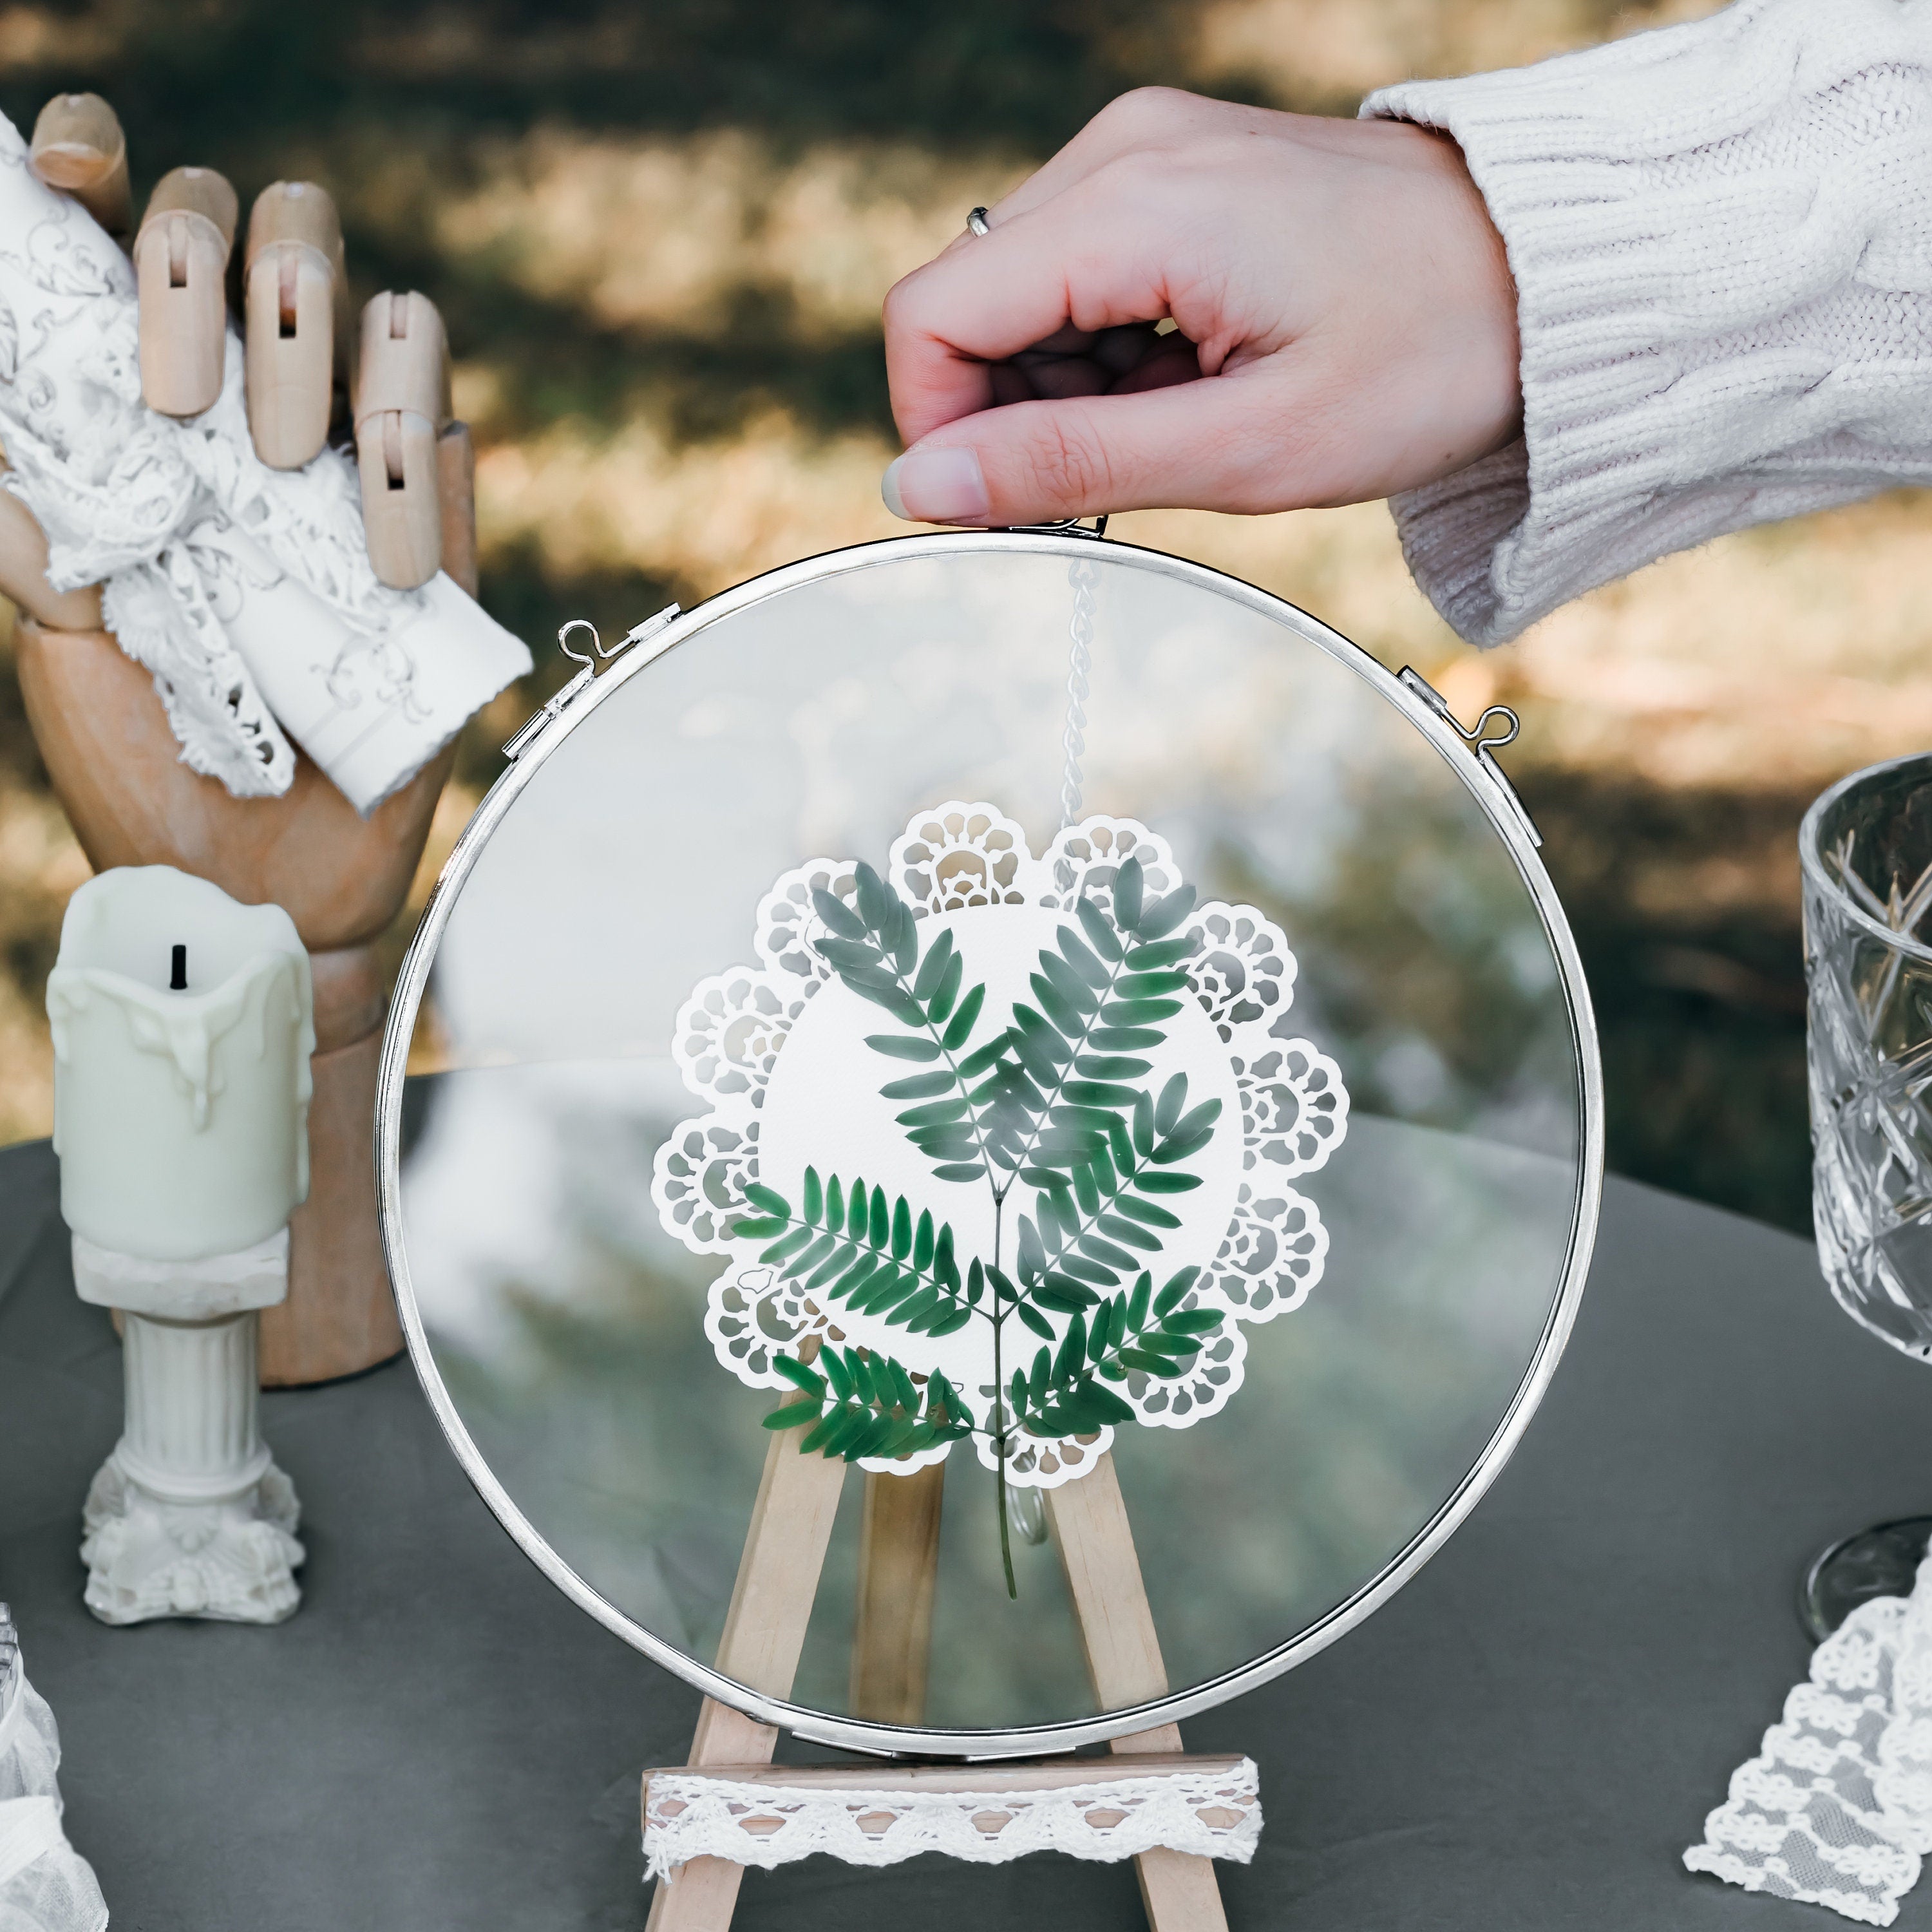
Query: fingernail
936, 486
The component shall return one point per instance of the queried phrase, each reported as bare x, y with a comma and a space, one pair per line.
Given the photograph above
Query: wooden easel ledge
958, 1780
1046, 1774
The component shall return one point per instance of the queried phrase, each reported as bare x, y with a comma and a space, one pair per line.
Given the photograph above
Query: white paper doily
1211, 1814
849, 1160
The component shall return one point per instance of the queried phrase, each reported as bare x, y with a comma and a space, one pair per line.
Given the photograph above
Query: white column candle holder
189, 1516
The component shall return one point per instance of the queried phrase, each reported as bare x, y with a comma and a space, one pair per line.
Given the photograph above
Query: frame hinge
1497, 726
591, 660
1070, 527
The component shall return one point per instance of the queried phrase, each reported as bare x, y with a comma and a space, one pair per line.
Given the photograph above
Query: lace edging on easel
1210, 1814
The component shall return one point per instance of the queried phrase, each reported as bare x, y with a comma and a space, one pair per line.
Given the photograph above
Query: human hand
1344, 324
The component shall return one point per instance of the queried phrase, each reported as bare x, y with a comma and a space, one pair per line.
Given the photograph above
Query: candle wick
178, 976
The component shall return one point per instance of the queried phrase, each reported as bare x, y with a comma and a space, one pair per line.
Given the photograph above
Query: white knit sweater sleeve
1721, 236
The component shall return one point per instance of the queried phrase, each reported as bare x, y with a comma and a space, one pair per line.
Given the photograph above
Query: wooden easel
764, 1633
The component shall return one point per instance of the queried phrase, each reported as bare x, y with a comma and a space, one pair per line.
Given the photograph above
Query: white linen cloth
1836, 1809
1721, 236
45, 1885
247, 591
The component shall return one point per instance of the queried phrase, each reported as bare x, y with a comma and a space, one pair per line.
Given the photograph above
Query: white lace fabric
1836, 1809
1212, 1814
45, 1885
247, 592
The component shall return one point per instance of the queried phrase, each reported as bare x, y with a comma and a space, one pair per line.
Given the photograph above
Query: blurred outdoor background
659, 231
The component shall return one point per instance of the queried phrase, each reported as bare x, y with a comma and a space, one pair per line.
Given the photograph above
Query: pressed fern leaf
853, 1244
1094, 1227
869, 1404
1063, 1392
874, 948
1057, 1098
1102, 995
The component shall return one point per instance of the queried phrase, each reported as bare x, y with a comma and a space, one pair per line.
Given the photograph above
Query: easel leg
764, 1632
899, 1572
699, 1896
1179, 1892
1103, 1573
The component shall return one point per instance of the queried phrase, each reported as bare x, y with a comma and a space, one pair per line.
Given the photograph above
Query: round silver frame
1506, 817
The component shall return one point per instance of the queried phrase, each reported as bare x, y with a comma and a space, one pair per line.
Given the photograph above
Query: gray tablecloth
1527, 1736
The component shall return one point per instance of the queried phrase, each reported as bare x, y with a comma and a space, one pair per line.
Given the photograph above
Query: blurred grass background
659, 231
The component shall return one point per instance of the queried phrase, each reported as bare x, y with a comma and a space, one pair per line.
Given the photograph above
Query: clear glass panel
819, 720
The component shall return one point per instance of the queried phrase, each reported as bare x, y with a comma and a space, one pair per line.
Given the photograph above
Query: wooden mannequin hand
100, 727
1344, 320
416, 466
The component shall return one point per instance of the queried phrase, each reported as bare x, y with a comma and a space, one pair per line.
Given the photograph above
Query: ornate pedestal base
189, 1516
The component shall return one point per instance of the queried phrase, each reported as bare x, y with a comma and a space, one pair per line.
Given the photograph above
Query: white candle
181, 1112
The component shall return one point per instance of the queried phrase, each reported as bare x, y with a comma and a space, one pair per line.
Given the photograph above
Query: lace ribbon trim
1210, 1814
1836, 1809
45, 1885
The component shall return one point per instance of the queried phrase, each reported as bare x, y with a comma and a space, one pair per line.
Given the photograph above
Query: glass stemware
1865, 852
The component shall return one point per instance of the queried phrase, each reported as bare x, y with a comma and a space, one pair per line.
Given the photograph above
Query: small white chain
1080, 574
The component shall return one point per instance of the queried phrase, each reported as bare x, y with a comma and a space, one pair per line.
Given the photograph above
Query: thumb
1221, 442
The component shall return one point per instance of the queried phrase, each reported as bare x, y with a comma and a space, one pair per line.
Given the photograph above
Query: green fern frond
1064, 1394
855, 1244
869, 1404
875, 950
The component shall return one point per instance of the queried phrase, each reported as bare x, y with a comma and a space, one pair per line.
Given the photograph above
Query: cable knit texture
1721, 235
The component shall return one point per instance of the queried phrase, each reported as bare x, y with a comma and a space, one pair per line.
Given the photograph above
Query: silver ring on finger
976, 221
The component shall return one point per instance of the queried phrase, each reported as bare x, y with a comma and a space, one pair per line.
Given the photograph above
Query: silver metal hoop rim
976, 221
1071, 1734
